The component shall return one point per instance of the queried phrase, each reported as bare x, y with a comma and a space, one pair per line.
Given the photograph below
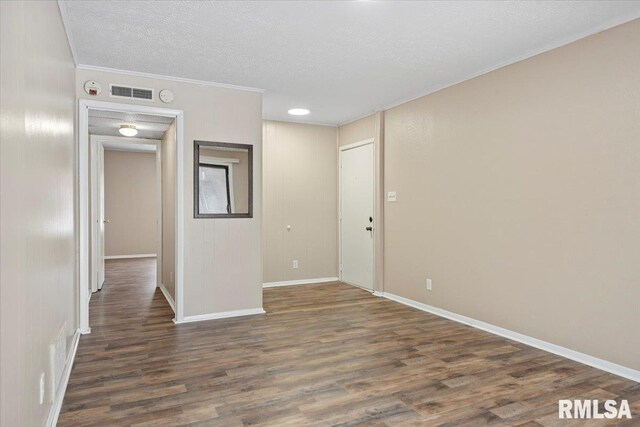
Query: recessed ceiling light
128, 130
298, 111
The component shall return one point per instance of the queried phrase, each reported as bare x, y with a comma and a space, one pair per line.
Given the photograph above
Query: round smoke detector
92, 87
166, 95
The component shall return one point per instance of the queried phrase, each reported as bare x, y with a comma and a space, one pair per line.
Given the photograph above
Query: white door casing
97, 214
101, 218
93, 157
99, 221
84, 202
357, 214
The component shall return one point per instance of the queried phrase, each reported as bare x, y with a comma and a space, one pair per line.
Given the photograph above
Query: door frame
341, 150
83, 200
134, 145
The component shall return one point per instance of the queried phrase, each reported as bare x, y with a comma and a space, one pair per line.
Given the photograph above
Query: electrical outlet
42, 388
295, 264
429, 284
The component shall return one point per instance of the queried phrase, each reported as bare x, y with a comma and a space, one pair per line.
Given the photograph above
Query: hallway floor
327, 354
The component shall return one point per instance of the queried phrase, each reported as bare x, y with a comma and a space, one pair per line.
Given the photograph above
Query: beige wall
131, 203
356, 131
519, 195
240, 173
300, 189
222, 257
38, 264
168, 256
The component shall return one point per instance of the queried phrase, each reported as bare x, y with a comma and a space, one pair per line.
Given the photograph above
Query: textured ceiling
108, 123
341, 60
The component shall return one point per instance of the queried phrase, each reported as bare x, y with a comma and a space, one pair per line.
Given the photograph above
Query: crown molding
168, 78
301, 122
555, 44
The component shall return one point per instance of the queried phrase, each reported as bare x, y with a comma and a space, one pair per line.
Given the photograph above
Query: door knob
106, 221
369, 228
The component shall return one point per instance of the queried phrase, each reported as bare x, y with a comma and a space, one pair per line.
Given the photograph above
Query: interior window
222, 180
214, 189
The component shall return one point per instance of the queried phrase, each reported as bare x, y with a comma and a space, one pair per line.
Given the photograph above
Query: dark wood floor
327, 354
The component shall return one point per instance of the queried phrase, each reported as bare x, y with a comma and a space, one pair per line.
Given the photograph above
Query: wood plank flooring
327, 354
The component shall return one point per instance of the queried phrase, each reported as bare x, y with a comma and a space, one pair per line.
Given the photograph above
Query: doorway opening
130, 187
126, 199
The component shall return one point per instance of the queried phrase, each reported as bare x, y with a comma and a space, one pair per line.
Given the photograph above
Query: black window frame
226, 176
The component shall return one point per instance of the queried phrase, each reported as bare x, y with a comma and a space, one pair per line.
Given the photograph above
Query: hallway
323, 355
131, 324
128, 299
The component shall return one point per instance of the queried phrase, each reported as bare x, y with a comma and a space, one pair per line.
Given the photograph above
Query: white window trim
228, 162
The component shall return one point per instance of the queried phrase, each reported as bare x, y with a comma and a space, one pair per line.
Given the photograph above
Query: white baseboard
168, 297
220, 315
299, 282
131, 256
595, 362
54, 412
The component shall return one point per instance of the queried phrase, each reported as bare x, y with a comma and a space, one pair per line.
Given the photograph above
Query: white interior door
102, 220
356, 215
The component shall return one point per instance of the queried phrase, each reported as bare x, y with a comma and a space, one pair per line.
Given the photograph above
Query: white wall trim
170, 78
356, 144
179, 220
83, 203
131, 256
586, 359
130, 147
220, 315
54, 412
299, 282
83, 198
126, 140
168, 297
118, 143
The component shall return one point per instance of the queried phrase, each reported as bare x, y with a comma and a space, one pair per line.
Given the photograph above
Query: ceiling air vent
117, 91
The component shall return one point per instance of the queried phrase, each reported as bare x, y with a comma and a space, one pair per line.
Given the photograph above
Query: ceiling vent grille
117, 91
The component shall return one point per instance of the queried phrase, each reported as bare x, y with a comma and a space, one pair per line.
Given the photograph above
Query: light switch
391, 196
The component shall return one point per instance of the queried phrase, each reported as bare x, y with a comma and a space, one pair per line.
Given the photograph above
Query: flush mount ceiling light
298, 111
128, 130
